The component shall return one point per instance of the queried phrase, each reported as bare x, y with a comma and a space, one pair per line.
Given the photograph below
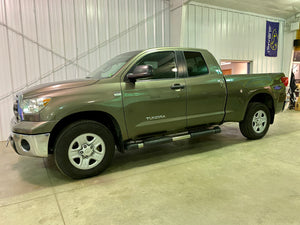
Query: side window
163, 63
196, 65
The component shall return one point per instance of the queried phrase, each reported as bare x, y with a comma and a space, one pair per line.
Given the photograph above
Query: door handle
221, 82
177, 86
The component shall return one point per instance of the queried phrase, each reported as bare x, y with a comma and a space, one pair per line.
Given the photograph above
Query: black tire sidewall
246, 125
69, 134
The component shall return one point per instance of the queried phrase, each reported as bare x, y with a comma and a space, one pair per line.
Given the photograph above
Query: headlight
34, 105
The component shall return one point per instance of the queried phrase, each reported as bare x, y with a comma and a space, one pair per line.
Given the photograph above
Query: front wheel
84, 149
256, 122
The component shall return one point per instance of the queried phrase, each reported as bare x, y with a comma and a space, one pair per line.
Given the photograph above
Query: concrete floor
218, 179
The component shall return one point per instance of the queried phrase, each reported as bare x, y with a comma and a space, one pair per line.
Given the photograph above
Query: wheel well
268, 101
101, 117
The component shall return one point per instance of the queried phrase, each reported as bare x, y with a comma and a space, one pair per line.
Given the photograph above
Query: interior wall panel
159, 23
2, 11
17, 60
28, 18
32, 62
7, 111
13, 14
92, 30
68, 17
230, 34
57, 34
50, 40
6, 78
44, 37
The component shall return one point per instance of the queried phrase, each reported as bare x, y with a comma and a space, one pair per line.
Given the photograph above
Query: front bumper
30, 145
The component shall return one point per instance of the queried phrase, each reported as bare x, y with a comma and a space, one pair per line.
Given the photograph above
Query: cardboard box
297, 105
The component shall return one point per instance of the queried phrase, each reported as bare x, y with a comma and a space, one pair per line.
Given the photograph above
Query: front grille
16, 108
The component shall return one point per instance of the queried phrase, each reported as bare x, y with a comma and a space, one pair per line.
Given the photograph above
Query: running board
167, 139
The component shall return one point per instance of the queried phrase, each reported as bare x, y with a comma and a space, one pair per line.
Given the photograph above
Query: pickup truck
138, 99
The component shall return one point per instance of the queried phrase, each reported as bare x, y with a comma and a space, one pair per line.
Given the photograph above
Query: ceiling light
225, 63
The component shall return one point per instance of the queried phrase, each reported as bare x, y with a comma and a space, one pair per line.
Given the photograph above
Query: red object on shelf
285, 81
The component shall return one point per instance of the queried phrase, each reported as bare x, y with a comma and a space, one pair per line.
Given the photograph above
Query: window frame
149, 79
186, 66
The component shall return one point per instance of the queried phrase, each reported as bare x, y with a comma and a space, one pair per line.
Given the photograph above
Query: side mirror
140, 71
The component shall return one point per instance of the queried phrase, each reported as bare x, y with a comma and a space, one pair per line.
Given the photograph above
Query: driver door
156, 104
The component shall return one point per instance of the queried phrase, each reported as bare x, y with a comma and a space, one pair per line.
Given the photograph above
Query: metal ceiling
275, 8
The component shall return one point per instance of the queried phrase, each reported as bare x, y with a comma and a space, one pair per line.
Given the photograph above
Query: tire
83, 149
256, 121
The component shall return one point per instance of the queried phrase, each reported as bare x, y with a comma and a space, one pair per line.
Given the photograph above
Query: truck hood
48, 88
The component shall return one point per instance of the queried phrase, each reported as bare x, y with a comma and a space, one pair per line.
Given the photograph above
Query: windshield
112, 66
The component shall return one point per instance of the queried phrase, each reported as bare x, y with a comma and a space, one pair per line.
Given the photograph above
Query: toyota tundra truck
138, 99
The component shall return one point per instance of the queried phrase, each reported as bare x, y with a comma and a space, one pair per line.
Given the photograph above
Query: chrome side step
166, 139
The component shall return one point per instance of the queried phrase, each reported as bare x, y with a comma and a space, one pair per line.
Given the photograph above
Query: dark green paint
205, 100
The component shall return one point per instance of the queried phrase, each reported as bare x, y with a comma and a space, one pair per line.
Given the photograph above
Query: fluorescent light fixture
225, 63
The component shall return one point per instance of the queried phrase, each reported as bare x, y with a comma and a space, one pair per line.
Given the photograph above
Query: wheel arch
102, 117
266, 99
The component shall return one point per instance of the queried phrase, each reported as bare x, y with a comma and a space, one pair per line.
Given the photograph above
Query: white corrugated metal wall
230, 34
50, 40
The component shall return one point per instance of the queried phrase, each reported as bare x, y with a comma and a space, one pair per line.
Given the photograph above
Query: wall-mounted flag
272, 30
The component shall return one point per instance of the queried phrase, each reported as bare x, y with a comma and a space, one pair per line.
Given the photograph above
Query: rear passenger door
206, 92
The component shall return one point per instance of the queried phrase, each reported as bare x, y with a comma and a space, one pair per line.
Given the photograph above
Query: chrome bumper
30, 145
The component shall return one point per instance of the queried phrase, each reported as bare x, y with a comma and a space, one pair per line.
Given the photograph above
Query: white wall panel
150, 24
113, 10
5, 114
159, 23
288, 51
92, 29
13, 14
92, 23
50, 40
43, 23
43, 36
114, 47
104, 53
165, 22
45, 61
103, 20
6, 79
71, 72
230, 34
81, 26
47, 79
2, 11
32, 62
18, 66
28, 18
123, 13
57, 32
69, 29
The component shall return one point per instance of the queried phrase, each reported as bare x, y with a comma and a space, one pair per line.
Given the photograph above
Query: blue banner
272, 30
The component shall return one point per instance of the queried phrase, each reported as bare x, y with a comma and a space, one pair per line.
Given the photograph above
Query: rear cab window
195, 63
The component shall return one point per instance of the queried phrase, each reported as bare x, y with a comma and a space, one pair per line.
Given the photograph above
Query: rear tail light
285, 81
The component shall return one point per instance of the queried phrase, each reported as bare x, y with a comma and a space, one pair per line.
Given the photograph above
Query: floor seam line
55, 196
31, 199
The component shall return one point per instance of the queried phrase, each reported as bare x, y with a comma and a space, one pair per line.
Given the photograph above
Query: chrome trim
13, 122
181, 137
141, 145
117, 94
38, 144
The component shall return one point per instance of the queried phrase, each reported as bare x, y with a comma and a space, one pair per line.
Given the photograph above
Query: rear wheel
84, 149
256, 122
